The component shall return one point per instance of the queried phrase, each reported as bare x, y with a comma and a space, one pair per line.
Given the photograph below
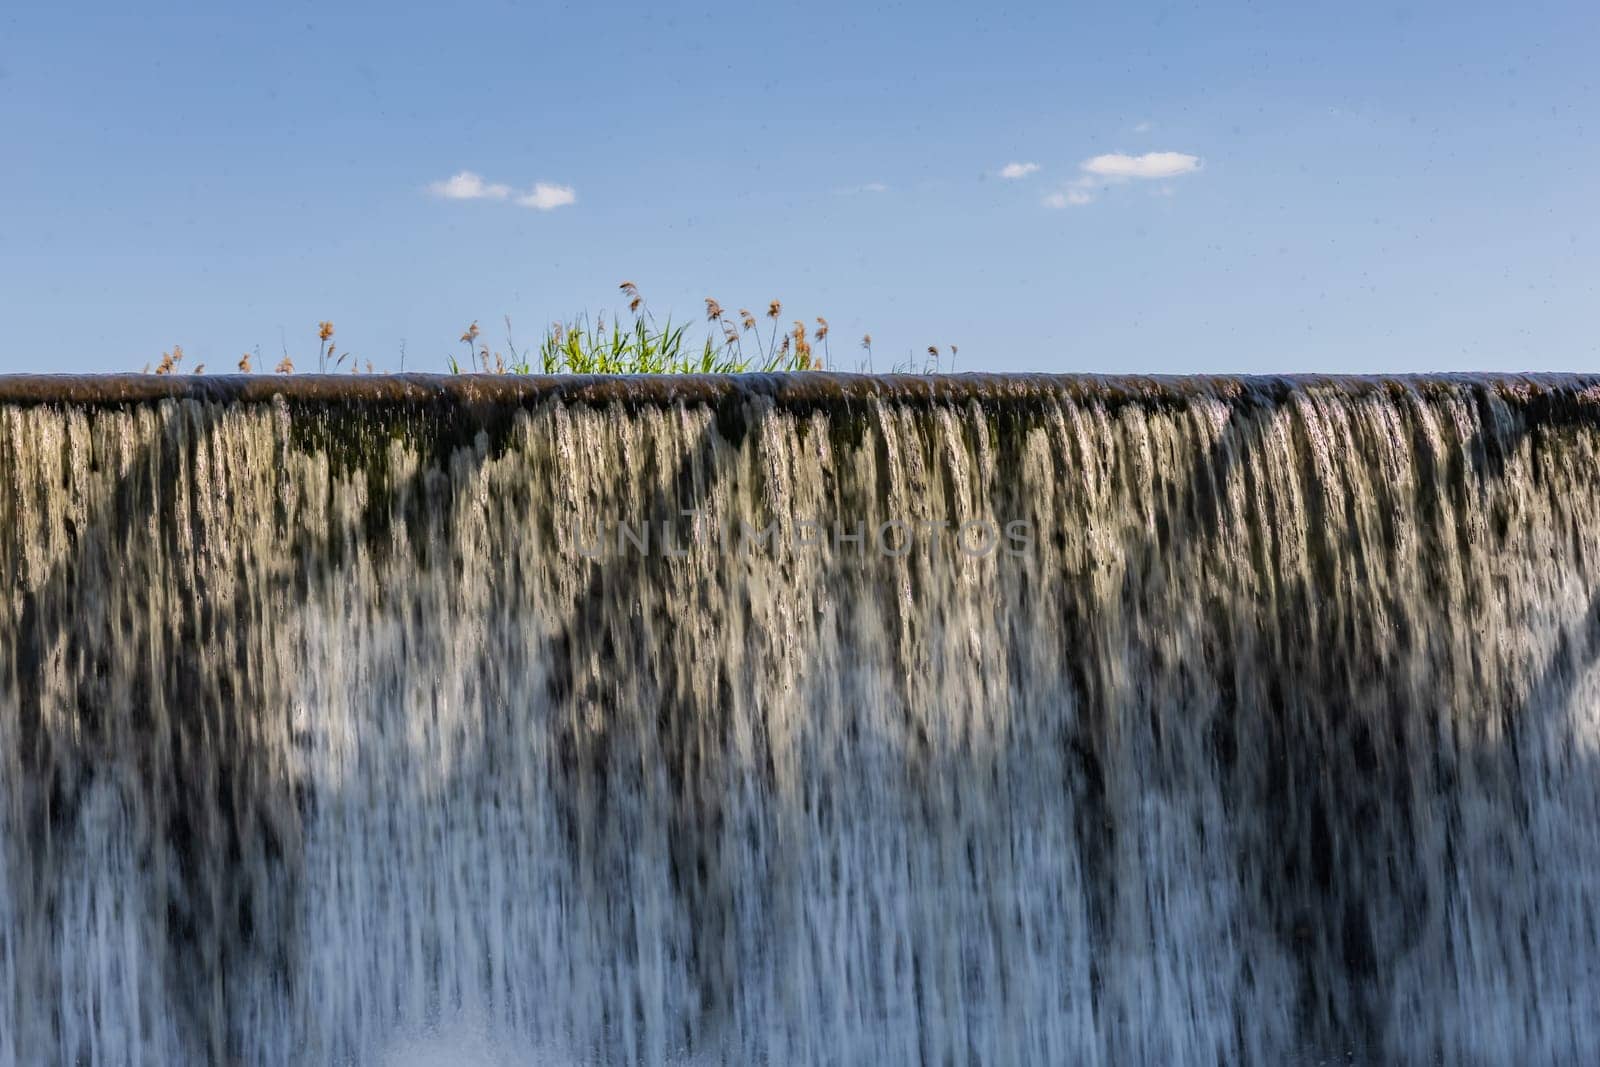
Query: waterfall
800, 719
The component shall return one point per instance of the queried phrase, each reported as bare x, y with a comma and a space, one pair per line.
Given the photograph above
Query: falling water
354, 724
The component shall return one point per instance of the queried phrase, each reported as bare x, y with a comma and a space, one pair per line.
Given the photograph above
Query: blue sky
1279, 187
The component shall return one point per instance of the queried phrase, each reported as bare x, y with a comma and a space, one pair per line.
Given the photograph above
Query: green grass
585, 346
732, 344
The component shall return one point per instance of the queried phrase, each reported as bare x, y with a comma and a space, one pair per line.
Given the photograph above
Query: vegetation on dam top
735, 342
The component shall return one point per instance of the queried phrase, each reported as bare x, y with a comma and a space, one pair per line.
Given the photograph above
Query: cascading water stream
565, 722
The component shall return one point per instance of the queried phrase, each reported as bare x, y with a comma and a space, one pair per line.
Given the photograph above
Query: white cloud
469, 186
1071, 197
1143, 127
1118, 166
870, 187
1018, 170
543, 197
1102, 172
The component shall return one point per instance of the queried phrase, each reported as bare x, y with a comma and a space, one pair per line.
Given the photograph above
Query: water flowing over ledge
321, 742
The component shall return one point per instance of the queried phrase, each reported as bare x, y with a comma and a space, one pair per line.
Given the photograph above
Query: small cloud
468, 186
1018, 170
1070, 197
1144, 127
543, 197
1119, 167
870, 187
1101, 172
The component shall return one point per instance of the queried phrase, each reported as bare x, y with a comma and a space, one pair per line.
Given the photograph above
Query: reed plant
732, 343
643, 345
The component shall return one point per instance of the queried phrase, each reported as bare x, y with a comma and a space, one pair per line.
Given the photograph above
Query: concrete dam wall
799, 719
